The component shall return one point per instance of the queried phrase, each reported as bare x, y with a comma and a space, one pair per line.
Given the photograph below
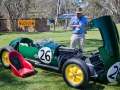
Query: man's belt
77, 33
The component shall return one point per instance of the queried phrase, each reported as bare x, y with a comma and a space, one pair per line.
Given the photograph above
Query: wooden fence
12, 25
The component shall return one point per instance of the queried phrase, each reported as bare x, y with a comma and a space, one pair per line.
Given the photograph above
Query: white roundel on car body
45, 55
113, 72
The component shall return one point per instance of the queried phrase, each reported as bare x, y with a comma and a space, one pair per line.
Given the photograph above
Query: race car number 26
113, 72
44, 55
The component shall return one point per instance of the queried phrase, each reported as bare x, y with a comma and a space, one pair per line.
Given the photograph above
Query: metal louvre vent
98, 64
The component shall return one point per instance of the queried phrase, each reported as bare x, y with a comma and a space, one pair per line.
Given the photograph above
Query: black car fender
62, 59
6, 47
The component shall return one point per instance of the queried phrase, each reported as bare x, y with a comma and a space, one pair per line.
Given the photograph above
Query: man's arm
77, 26
72, 24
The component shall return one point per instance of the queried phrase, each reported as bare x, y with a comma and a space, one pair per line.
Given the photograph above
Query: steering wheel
39, 43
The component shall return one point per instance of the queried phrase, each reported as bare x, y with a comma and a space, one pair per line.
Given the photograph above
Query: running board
42, 65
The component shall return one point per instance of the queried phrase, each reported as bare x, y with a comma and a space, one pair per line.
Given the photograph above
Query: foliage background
20, 9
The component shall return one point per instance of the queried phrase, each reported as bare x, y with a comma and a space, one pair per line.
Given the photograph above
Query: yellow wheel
76, 73
4, 56
5, 60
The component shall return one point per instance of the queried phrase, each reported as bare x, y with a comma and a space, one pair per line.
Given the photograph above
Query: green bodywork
110, 51
31, 52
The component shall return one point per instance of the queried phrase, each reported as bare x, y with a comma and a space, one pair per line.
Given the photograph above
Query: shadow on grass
118, 84
10, 33
6, 76
94, 86
90, 43
30, 33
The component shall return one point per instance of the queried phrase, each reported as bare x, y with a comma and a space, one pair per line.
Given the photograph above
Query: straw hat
79, 10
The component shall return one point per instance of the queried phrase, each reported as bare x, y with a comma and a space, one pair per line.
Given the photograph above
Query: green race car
77, 70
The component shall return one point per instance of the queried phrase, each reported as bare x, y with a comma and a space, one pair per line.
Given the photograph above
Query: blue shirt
82, 21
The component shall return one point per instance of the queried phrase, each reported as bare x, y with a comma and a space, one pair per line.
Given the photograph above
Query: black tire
76, 73
4, 56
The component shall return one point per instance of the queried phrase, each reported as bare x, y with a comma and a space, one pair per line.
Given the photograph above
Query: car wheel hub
5, 58
74, 74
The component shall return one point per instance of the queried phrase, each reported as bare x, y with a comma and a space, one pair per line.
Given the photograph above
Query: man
78, 24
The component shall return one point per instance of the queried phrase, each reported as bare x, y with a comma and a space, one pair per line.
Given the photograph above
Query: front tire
76, 73
4, 56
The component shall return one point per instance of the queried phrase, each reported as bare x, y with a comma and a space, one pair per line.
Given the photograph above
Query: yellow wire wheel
74, 74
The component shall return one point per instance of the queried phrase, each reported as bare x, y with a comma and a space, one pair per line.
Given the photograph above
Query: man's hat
79, 10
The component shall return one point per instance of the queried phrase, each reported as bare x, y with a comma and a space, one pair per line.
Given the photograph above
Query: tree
58, 5
104, 7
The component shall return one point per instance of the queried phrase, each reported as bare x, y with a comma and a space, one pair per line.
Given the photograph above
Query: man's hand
85, 32
78, 26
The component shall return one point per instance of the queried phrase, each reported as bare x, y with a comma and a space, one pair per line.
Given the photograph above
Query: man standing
78, 24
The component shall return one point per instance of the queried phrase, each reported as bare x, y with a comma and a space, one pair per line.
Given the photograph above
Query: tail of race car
110, 51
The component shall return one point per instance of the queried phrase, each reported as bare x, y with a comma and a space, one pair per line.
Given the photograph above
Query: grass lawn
45, 79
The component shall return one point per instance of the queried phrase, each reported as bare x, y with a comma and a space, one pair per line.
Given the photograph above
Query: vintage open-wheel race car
77, 69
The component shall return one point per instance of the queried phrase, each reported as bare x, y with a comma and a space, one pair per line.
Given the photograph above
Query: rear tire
76, 73
4, 56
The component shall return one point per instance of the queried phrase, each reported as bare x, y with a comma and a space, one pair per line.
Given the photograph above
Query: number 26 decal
113, 72
44, 55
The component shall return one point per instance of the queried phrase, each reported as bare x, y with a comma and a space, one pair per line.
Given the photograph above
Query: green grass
45, 79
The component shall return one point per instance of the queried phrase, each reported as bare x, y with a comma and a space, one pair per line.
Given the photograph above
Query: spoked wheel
4, 56
76, 73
